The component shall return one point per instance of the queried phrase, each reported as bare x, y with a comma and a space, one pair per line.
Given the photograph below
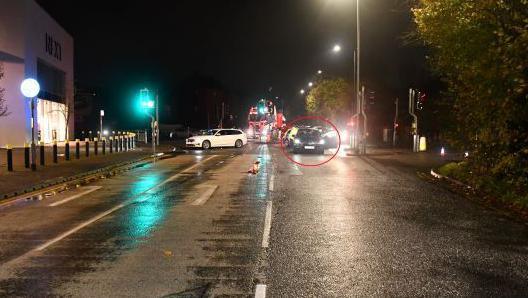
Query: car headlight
321, 142
297, 141
344, 135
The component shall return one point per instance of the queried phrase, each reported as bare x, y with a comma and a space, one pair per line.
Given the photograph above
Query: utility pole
153, 127
365, 130
395, 126
157, 119
414, 127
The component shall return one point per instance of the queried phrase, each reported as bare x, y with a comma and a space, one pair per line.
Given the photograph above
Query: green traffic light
144, 98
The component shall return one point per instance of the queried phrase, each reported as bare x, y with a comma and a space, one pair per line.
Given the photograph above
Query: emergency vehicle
264, 122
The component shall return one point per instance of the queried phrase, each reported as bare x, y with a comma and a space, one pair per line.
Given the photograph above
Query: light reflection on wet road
354, 227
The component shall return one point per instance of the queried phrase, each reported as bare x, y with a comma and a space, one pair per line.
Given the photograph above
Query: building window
52, 82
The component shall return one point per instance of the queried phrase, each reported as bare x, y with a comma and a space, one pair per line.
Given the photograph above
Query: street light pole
101, 114
358, 63
33, 147
30, 88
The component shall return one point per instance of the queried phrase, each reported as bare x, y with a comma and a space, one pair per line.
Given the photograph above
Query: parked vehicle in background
217, 138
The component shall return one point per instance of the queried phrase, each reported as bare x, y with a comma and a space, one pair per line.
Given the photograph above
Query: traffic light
145, 99
421, 100
262, 109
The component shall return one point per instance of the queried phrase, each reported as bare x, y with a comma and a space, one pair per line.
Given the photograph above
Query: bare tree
3, 104
65, 110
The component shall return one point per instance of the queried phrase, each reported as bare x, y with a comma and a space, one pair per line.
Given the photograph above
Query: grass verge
496, 193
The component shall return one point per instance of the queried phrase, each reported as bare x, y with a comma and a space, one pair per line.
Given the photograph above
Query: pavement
198, 225
22, 179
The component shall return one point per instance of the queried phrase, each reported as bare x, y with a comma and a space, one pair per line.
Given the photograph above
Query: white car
218, 138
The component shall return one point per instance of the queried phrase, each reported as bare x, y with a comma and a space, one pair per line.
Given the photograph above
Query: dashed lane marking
267, 225
260, 291
88, 189
297, 171
180, 174
103, 214
272, 183
77, 228
209, 190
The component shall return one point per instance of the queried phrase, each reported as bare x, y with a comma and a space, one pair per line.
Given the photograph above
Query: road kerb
439, 176
59, 185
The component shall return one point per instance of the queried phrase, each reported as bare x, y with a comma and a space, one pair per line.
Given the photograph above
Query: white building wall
23, 28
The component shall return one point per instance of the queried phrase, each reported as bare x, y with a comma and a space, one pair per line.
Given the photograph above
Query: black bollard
96, 150
77, 149
26, 155
125, 141
120, 143
67, 150
129, 140
116, 141
42, 154
87, 145
111, 145
55, 153
104, 146
9, 158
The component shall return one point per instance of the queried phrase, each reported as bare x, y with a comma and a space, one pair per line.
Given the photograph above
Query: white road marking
297, 171
103, 214
209, 190
267, 225
88, 190
260, 291
77, 228
180, 174
272, 183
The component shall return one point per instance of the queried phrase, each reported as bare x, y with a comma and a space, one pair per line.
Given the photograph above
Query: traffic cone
255, 168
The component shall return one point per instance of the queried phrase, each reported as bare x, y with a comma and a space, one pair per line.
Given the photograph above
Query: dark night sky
246, 45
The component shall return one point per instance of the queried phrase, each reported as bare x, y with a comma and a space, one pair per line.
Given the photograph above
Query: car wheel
206, 145
238, 143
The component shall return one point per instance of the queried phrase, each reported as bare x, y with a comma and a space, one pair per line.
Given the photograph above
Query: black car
308, 140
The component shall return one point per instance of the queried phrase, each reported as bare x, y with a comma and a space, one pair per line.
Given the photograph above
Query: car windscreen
308, 134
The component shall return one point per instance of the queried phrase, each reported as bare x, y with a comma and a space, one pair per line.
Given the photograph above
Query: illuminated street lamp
336, 48
310, 84
302, 91
30, 88
319, 72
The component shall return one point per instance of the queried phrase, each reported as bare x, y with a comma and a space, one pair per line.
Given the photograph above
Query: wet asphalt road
199, 225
